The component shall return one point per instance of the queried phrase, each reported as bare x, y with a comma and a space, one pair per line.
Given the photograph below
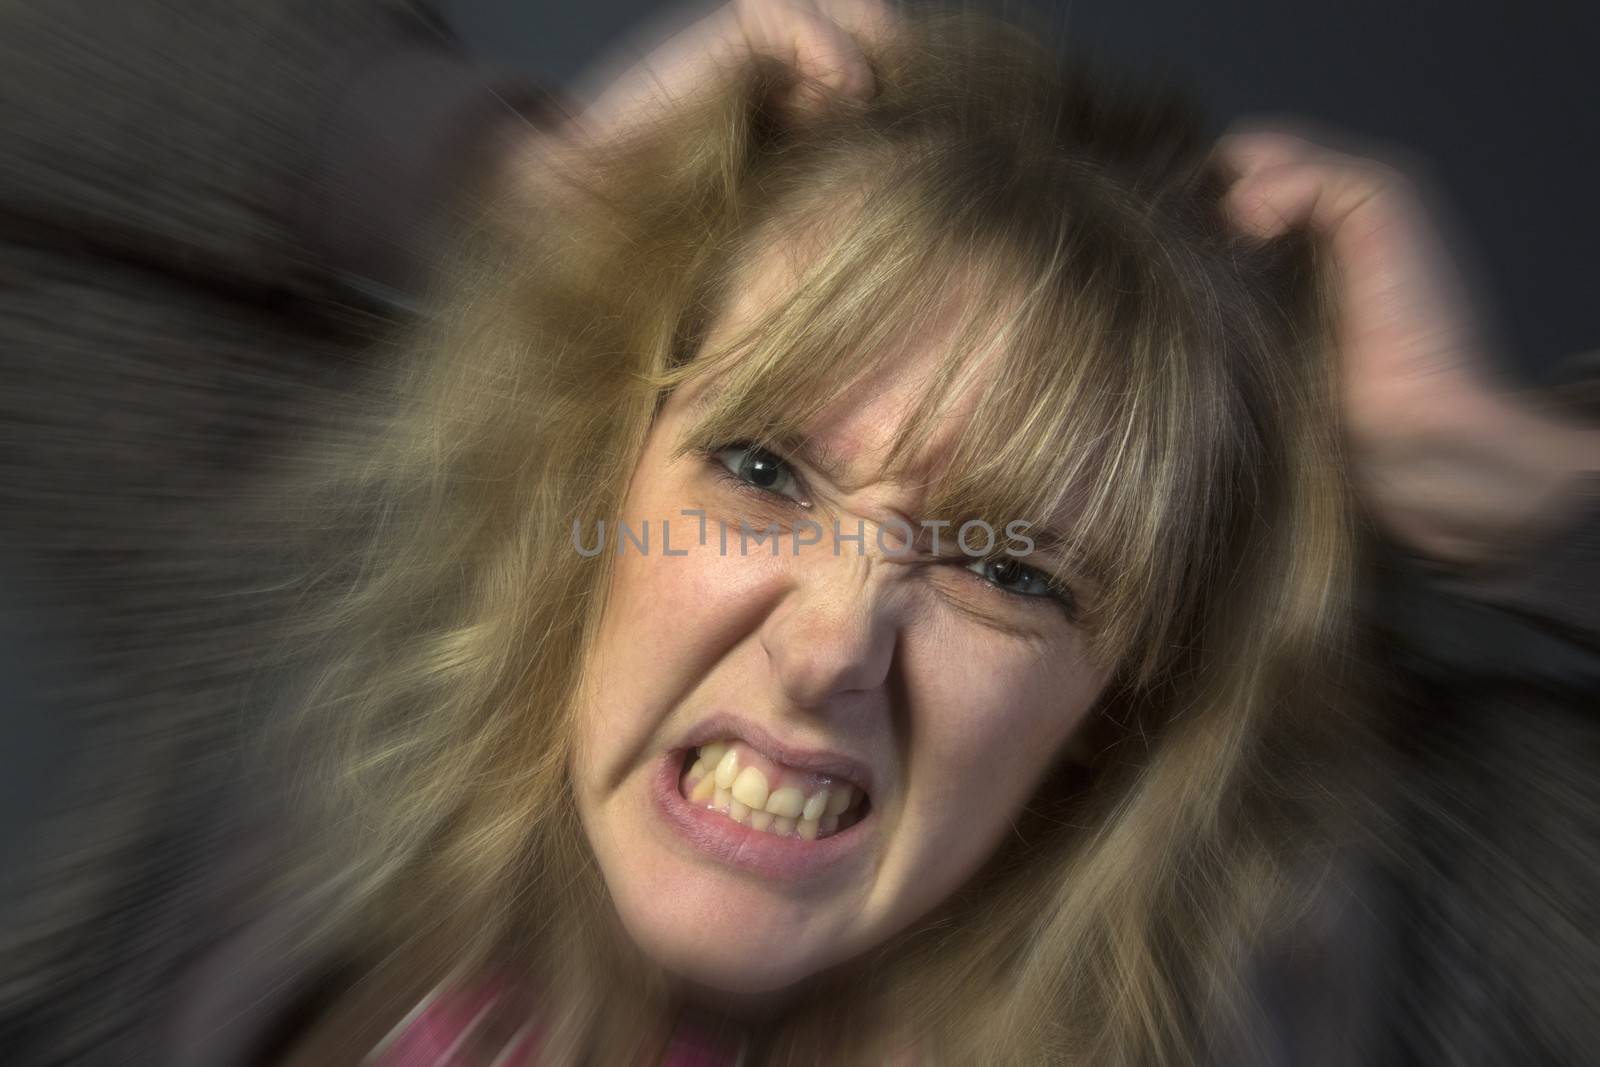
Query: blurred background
1492, 104
1497, 101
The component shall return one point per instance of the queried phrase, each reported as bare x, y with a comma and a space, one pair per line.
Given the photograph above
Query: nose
834, 634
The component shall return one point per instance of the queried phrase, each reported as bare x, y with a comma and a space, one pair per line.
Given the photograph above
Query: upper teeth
725, 778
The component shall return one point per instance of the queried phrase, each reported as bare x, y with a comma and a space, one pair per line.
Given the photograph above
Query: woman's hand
1450, 461
638, 84
817, 39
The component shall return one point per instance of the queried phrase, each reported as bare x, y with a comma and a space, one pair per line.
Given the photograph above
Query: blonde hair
1165, 379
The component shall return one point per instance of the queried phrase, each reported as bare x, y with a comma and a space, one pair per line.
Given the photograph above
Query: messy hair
1161, 379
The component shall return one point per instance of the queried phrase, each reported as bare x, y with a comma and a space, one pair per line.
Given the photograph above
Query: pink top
441, 1031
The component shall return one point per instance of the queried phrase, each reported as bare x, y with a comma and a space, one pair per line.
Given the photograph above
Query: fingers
1334, 199
818, 41
1285, 180
1405, 315
1251, 151
660, 65
1398, 279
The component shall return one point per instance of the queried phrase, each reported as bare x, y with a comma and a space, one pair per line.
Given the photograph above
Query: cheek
991, 725
673, 616
669, 620
1025, 711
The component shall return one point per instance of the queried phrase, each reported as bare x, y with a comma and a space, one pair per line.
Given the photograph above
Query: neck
719, 1006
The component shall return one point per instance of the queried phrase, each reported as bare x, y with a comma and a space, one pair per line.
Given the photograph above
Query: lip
743, 847
724, 727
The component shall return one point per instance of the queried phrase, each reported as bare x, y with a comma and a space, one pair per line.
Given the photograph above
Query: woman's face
876, 718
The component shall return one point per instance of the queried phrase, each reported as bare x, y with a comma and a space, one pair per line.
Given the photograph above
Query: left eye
761, 469
1013, 577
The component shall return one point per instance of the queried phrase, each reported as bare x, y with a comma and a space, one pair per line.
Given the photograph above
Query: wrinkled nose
835, 632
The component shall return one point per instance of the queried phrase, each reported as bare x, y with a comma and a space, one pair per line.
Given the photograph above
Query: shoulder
485, 1018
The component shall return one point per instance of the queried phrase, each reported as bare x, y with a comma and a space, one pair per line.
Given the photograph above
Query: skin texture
956, 693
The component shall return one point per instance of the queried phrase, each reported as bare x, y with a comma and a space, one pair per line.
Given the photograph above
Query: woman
1021, 793
1070, 783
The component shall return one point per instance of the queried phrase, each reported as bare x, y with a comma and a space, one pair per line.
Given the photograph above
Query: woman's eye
761, 469
1017, 578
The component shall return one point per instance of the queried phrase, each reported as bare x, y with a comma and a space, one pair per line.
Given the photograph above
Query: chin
721, 930
733, 938
737, 971
721, 904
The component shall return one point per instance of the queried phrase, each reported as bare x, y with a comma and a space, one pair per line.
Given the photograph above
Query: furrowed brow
1062, 553
815, 453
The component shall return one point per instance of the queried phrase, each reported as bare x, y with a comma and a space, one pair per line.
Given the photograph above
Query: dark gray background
1496, 100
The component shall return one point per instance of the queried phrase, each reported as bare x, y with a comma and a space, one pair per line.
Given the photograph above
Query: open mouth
743, 784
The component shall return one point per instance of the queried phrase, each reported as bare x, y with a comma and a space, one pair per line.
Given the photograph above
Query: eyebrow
809, 448
813, 450
1049, 540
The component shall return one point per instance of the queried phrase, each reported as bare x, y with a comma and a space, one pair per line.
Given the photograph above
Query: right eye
759, 468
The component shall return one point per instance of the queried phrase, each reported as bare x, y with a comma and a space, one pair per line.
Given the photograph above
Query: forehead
854, 434
993, 381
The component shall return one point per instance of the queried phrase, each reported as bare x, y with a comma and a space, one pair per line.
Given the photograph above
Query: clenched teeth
725, 777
